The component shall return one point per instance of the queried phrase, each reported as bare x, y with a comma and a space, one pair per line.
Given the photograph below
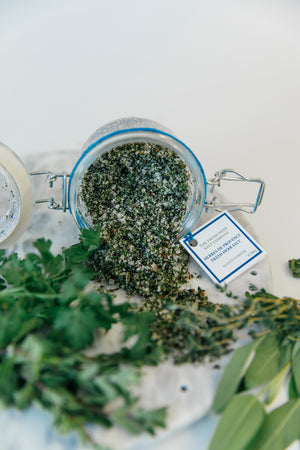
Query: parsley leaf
49, 314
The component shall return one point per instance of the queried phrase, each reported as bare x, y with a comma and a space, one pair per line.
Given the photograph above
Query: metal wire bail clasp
233, 175
50, 178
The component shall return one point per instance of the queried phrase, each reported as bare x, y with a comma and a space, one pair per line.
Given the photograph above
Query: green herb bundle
49, 315
48, 318
255, 375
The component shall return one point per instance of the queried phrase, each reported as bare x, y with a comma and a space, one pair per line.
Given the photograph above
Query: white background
223, 75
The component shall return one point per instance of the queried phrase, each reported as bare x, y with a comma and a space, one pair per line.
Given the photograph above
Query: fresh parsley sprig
48, 318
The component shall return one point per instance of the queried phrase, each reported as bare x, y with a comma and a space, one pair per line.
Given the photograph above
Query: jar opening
144, 135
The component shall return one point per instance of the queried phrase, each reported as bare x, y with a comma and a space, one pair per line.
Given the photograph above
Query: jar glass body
135, 130
16, 197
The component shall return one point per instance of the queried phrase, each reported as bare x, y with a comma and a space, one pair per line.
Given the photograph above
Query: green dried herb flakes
138, 195
188, 326
294, 265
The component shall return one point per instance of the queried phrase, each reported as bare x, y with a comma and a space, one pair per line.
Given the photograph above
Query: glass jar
17, 193
16, 197
129, 131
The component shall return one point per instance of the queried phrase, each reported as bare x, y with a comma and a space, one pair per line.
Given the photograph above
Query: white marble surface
190, 421
224, 75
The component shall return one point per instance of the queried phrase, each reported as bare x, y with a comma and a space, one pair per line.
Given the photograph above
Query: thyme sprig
190, 327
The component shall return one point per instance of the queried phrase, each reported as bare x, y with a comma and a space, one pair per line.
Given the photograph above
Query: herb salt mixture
137, 195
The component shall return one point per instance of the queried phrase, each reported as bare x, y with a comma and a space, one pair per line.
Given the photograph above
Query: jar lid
16, 197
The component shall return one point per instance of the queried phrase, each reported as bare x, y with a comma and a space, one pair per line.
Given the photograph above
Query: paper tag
223, 248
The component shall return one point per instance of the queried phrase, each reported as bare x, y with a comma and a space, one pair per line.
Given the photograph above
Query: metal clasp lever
50, 178
233, 175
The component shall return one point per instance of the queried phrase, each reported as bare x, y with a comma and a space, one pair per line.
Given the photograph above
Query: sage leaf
281, 428
296, 349
239, 423
265, 364
292, 388
285, 357
296, 367
233, 374
276, 385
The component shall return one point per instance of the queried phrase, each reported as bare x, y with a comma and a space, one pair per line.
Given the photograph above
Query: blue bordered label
223, 248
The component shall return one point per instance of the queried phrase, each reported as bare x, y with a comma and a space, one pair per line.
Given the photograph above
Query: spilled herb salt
137, 195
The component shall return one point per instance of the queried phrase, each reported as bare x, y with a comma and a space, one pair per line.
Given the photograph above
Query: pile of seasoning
138, 193
188, 326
